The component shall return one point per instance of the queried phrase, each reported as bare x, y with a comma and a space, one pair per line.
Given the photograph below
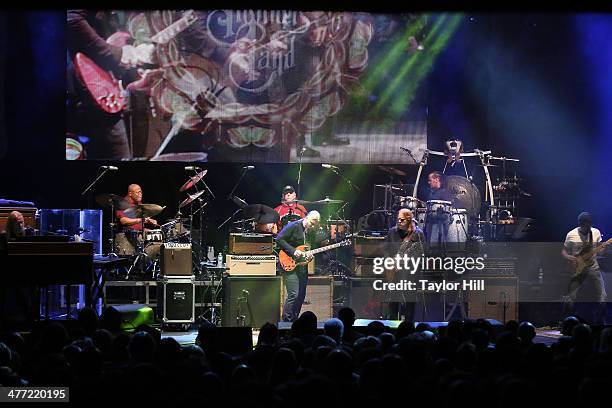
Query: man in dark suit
296, 233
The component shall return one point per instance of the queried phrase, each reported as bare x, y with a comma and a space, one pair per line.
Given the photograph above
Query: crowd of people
464, 363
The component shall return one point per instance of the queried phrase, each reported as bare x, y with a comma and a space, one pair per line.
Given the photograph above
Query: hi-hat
193, 180
261, 214
191, 198
392, 170
112, 200
144, 210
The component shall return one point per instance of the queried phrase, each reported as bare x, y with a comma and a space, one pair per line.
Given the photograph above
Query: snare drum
438, 206
153, 235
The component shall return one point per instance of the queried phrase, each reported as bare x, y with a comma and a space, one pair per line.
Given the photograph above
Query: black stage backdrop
514, 84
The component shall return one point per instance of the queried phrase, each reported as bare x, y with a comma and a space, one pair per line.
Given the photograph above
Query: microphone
109, 168
192, 168
248, 167
406, 150
329, 166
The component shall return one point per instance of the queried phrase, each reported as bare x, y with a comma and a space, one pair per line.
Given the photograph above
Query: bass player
581, 245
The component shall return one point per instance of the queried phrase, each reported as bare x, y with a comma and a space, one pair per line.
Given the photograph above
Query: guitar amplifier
251, 265
175, 259
368, 246
498, 300
251, 244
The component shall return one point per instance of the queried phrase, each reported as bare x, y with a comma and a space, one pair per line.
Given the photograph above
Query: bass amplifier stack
176, 292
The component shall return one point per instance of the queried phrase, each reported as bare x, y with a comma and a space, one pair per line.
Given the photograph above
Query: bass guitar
289, 263
586, 258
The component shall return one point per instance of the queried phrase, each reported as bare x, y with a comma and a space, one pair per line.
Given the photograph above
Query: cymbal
193, 180
464, 194
487, 165
392, 170
144, 210
191, 198
327, 200
301, 202
262, 214
112, 200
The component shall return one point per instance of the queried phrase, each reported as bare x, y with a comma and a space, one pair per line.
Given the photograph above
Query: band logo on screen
230, 85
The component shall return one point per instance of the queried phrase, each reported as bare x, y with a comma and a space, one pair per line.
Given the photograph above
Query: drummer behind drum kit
144, 245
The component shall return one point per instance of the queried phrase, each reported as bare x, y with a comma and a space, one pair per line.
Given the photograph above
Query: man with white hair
293, 235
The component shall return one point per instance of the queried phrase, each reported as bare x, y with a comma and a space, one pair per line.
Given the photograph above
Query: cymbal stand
111, 251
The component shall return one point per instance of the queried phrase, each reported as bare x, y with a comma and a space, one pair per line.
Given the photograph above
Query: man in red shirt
127, 240
289, 210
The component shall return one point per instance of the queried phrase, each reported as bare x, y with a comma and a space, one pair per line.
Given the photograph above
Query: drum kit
459, 219
144, 244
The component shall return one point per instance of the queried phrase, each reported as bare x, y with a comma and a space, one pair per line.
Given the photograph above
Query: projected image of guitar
288, 263
586, 258
106, 90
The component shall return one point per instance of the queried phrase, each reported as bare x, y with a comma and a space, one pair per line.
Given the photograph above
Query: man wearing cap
579, 240
289, 210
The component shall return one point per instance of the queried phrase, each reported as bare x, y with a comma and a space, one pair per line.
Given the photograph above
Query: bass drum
339, 228
287, 218
125, 243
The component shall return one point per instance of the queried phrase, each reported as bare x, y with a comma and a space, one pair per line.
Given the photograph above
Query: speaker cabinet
251, 300
132, 316
365, 301
176, 300
176, 259
319, 297
498, 300
251, 265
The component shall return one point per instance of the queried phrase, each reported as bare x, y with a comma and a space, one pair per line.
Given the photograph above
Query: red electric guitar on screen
108, 92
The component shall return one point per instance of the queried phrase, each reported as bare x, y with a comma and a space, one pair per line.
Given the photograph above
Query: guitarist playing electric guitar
293, 235
580, 247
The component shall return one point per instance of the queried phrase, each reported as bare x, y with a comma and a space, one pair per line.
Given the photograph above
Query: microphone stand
90, 205
95, 181
300, 171
229, 197
351, 186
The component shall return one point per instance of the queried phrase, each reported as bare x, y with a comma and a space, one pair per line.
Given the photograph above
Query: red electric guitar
108, 92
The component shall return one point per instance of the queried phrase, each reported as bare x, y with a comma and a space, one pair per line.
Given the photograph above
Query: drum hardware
112, 202
192, 182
